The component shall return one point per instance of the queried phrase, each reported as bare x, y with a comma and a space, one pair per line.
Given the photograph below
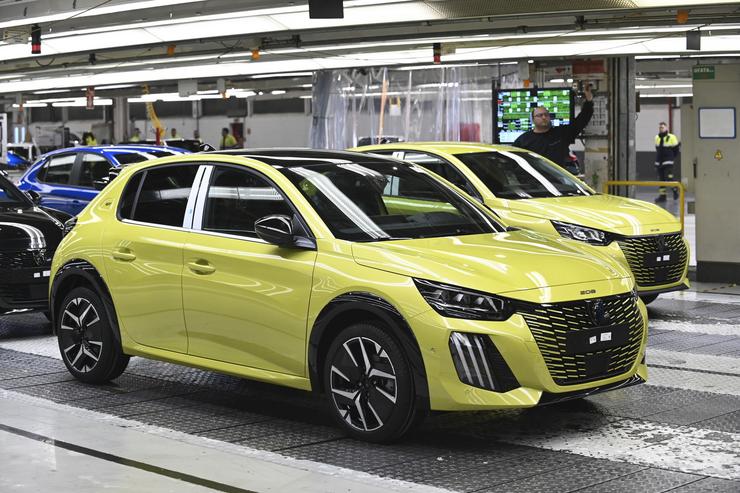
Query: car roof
446, 147
116, 148
294, 157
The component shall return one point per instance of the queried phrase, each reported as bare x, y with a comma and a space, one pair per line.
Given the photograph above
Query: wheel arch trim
380, 309
83, 269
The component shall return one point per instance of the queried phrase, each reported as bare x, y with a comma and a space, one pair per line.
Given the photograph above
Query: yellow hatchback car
529, 191
358, 276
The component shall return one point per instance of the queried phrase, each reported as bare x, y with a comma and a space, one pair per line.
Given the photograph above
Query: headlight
456, 302
581, 233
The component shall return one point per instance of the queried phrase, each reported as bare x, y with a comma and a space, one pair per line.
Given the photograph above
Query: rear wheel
369, 384
89, 349
648, 298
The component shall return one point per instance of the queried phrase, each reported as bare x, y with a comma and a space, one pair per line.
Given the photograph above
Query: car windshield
385, 201
521, 175
11, 196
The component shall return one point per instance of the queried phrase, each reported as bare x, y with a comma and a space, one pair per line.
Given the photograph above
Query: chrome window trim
187, 221
231, 237
202, 195
154, 225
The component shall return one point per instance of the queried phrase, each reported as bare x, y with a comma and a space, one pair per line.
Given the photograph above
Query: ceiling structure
132, 42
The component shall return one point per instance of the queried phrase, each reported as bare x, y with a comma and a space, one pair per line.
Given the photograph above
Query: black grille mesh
22, 259
636, 247
550, 323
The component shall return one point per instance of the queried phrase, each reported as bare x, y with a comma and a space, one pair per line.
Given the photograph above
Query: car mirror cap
276, 229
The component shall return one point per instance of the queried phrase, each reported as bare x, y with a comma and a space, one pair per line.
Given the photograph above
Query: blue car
68, 179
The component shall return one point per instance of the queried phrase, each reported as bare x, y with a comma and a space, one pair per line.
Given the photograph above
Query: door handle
201, 266
123, 254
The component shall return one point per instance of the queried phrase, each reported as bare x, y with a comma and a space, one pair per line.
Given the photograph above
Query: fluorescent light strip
221, 25
125, 7
681, 95
284, 68
665, 86
283, 74
31, 105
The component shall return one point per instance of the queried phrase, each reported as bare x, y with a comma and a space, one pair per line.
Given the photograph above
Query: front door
246, 301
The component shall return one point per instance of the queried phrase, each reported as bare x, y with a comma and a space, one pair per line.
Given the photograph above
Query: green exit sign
703, 72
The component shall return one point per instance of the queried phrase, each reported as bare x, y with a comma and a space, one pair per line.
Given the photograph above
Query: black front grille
557, 326
637, 249
23, 259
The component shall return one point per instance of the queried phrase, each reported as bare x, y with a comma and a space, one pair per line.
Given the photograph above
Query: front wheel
89, 349
369, 384
648, 298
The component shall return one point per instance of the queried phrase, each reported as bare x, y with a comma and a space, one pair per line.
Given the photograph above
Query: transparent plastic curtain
363, 106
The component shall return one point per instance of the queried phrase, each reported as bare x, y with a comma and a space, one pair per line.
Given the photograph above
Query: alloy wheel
363, 384
79, 335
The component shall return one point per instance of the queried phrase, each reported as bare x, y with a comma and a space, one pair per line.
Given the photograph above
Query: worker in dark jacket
667, 147
552, 142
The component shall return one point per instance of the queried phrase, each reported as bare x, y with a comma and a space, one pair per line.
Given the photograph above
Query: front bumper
24, 289
518, 347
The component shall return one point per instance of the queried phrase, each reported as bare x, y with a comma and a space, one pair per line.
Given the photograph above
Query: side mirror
206, 148
34, 196
276, 229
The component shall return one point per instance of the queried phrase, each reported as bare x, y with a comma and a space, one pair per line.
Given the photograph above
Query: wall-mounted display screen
513, 108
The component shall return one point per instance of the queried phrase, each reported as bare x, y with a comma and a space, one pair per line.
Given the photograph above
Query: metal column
622, 106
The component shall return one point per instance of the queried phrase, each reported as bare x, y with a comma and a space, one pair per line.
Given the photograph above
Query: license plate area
596, 339
661, 259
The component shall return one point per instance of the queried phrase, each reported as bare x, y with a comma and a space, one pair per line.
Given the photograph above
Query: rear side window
94, 167
237, 198
57, 169
162, 197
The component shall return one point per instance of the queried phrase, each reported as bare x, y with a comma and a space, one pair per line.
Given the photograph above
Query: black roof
289, 157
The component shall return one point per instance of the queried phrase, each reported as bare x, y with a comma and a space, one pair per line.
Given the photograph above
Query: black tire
369, 384
89, 349
648, 298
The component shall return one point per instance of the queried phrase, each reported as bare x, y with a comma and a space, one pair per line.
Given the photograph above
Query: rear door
143, 255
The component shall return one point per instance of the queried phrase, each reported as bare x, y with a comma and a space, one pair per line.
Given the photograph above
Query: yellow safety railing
669, 184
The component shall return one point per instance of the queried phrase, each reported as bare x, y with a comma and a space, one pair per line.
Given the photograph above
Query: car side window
441, 167
58, 169
162, 197
94, 167
237, 198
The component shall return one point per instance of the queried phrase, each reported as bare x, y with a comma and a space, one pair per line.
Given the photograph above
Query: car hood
28, 228
495, 263
606, 212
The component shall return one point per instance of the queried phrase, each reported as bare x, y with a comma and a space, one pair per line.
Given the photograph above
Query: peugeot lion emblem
660, 243
599, 313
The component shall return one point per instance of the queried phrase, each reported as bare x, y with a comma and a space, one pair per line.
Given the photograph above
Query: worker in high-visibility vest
667, 147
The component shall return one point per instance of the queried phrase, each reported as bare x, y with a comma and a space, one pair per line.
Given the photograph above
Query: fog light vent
479, 363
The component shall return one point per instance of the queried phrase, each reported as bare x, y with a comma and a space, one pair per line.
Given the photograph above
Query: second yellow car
529, 191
